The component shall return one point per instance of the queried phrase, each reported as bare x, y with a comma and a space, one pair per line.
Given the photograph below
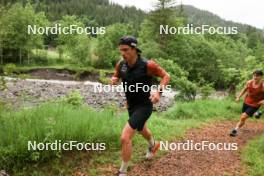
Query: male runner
136, 72
253, 100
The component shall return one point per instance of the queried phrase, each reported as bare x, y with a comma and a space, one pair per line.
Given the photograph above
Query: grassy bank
253, 156
205, 109
20, 69
66, 122
50, 122
75, 72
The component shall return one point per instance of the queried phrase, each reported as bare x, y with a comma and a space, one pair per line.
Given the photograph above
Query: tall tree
162, 15
76, 45
14, 35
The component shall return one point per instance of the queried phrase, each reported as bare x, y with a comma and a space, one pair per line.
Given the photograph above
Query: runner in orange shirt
253, 100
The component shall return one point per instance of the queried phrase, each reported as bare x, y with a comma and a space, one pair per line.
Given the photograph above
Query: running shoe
152, 150
233, 133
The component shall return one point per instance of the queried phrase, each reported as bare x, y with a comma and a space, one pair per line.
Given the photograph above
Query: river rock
38, 91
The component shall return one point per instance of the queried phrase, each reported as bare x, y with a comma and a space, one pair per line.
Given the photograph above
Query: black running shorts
249, 110
138, 115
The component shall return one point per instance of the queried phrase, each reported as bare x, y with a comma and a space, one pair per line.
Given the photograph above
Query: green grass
53, 61
76, 68
204, 109
47, 53
253, 156
62, 121
50, 122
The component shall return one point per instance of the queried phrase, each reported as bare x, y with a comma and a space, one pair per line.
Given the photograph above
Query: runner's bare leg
126, 148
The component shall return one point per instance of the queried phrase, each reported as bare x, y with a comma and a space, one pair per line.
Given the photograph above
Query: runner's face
127, 52
257, 78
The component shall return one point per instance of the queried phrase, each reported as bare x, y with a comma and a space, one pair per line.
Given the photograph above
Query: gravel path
203, 163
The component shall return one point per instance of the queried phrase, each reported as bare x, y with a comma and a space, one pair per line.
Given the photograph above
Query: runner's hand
114, 81
261, 102
237, 99
126, 105
154, 97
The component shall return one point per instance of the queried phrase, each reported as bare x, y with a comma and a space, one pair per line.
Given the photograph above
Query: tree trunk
20, 56
28, 57
1, 56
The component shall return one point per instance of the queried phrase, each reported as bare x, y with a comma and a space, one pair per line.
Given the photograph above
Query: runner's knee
125, 139
244, 117
127, 134
145, 131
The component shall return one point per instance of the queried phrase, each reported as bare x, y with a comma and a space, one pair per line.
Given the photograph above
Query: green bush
9, 69
188, 90
73, 98
206, 90
3, 85
179, 79
103, 78
106, 48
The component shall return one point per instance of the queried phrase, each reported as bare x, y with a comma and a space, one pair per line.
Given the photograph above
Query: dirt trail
206, 162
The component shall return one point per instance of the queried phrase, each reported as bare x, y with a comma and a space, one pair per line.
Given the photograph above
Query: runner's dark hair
258, 72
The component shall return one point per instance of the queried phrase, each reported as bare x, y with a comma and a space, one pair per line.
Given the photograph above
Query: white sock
124, 166
151, 142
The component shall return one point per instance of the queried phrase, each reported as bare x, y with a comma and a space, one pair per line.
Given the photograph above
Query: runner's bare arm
244, 90
261, 102
115, 77
154, 69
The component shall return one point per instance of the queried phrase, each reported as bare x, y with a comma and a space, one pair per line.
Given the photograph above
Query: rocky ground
30, 92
